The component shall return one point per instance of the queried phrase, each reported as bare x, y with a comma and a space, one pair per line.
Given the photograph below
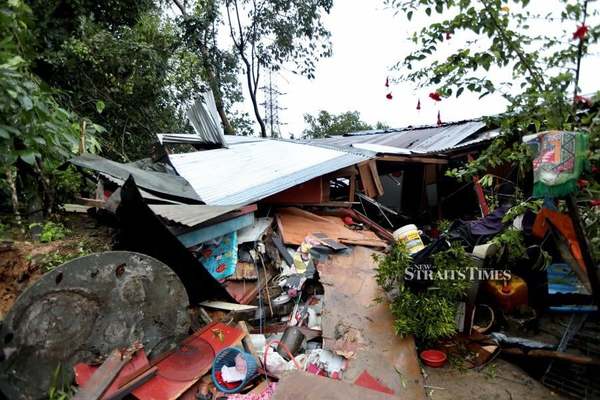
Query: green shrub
51, 231
428, 314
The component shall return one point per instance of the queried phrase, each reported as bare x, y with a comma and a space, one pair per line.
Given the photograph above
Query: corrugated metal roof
252, 170
190, 214
423, 140
204, 118
188, 138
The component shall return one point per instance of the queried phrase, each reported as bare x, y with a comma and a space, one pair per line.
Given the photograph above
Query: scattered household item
508, 294
434, 358
292, 339
483, 318
227, 358
85, 308
219, 256
409, 234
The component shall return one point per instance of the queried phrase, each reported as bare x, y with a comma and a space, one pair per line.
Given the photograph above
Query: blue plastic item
226, 357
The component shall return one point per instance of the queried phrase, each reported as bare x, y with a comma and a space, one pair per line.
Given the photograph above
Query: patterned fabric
219, 256
560, 157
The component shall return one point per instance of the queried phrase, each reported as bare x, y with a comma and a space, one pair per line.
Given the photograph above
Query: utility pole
272, 107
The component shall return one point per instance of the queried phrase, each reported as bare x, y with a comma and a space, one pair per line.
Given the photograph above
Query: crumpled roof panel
432, 139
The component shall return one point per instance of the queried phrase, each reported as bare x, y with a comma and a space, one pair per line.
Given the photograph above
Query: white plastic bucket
409, 234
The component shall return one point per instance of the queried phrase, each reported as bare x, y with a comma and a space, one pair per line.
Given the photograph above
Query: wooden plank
413, 160
366, 179
295, 224
222, 305
352, 190
375, 176
104, 376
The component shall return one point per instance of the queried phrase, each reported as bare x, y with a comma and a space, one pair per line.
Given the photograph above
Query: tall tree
219, 67
267, 34
326, 124
120, 55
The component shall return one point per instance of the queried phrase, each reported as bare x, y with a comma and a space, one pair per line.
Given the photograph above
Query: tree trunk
261, 123
11, 178
214, 87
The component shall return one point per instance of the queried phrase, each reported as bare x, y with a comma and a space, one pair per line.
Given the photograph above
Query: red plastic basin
434, 358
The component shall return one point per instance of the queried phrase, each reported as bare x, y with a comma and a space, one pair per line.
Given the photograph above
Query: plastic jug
509, 294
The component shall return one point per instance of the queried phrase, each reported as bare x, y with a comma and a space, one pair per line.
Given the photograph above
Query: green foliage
545, 68
56, 258
267, 34
51, 231
428, 314
36, 133
326, 124
512, 243
122, 75
391, 266
59, 390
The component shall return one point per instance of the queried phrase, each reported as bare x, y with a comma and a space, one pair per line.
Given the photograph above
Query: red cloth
435, 96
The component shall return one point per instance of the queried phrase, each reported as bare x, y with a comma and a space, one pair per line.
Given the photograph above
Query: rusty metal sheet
356, 324
82, 310
302, 385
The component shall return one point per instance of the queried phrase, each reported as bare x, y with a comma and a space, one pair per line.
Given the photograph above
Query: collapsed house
275, 244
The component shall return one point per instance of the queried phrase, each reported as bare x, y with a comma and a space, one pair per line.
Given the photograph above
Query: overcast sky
368, 40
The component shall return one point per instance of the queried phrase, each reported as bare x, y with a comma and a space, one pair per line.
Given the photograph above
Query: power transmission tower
272, 107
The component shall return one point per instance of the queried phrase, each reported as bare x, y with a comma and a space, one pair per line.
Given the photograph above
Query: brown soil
23, 261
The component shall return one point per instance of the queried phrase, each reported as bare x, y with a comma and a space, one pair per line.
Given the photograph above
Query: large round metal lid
82, 310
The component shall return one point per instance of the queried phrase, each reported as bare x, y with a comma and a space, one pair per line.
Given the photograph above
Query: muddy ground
23, 260
501, 380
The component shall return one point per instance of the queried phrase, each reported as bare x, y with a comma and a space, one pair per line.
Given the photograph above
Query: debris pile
247, 276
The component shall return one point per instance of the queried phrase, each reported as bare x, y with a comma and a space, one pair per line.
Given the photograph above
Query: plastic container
409, 234
434, 358
226, 357
509, 294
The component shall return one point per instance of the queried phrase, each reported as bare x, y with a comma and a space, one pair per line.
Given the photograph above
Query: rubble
272, 289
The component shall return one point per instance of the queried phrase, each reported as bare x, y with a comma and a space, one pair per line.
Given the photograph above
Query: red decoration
439, 119
583, 100
581, 31
595, 203
435, 96
582, 183
418, 104
387, 82
448, 36
389, 96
